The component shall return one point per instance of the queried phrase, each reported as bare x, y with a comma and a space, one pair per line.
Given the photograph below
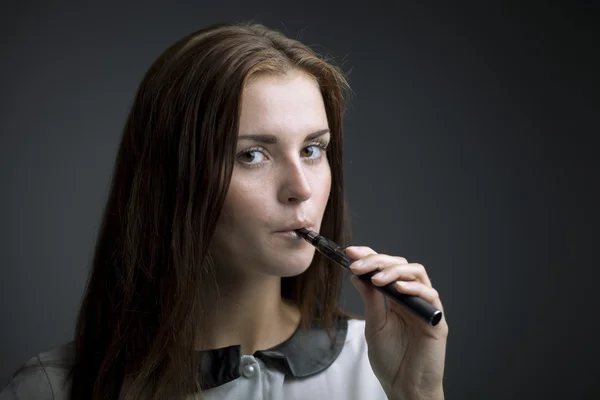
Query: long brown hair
152, 279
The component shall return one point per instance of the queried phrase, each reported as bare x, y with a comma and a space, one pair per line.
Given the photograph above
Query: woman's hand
407, 355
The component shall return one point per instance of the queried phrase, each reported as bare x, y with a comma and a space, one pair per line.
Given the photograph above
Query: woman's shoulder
354, 350
355, 336
356, 327
43, 376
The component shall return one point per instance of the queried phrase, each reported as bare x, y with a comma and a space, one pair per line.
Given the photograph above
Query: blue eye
316, 149
251, 153
319, 149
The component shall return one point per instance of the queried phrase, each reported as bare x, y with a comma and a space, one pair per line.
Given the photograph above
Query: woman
199, 285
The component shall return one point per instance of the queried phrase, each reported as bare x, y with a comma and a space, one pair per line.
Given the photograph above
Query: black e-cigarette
334, 252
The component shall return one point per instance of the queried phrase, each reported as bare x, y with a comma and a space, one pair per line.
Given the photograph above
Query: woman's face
281, 179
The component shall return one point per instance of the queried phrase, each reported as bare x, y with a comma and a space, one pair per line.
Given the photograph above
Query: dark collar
305, 353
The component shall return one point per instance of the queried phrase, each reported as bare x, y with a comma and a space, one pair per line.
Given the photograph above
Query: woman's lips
291, 233
288, 234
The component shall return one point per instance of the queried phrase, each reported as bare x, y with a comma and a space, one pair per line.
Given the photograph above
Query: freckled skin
274, 185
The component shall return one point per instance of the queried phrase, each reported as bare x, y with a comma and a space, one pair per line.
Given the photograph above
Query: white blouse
306, 366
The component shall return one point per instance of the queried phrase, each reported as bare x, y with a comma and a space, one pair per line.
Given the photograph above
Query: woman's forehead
282, 105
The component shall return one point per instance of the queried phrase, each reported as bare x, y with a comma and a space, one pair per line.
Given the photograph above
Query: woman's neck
251, 314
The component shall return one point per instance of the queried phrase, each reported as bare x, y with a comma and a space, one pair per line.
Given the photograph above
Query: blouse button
248, 371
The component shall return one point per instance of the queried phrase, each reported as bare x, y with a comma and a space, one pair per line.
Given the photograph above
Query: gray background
468, 149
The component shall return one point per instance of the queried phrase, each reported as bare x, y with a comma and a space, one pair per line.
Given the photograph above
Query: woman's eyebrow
271, 139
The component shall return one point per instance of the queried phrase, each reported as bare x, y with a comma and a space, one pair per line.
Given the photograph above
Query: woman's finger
402, 272
375, 261
359, 252
416, 288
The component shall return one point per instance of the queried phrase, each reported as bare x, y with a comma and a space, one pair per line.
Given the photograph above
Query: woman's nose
295, 186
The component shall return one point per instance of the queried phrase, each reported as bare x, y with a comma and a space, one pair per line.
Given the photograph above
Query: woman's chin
293, 266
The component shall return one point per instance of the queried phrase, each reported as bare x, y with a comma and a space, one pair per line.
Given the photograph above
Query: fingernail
357, 265
380, 275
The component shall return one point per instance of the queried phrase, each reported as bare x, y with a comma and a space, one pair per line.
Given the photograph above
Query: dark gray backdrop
468, 149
